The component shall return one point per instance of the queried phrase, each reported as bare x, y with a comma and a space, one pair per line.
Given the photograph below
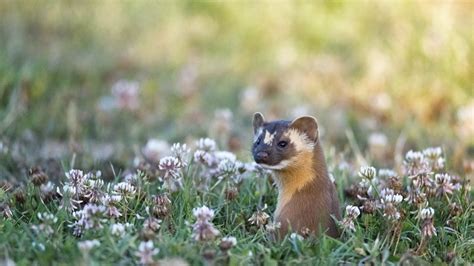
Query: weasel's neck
308, 168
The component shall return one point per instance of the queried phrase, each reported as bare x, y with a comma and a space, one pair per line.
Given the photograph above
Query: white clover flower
204, 157
170, 164
427, 226
117, 229
87, 245
125, 189
111, 199
206, 144
442, 178
352, 211
433, 152
204, 230
75, 176
226, 166
397, 198
155, 149
181, 151
230, 239
47, 188
146, 251
38, 246
91, 217
427, 213
47, 217
152, 223
444, 184
413, 156
368, 172
203, 213
67, 189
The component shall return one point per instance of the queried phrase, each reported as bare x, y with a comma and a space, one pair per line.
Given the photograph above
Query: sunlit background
95, 83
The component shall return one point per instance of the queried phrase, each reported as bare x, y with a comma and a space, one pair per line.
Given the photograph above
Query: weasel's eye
282, 144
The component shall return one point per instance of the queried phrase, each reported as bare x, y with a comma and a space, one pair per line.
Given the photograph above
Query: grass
376, 239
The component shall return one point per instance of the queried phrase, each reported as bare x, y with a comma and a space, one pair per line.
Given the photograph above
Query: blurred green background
91, 82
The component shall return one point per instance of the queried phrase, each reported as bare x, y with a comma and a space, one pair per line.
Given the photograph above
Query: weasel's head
279, 144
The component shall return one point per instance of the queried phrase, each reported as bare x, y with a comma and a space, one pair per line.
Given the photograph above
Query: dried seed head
259, 218
19, 195
203, 213
369, 207
162, 205
38, 177
209, 254
231, 193
227, 243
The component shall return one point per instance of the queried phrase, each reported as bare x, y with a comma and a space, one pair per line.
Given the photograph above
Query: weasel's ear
258, 121
307, 125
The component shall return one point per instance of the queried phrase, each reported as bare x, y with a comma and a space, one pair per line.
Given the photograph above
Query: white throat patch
280, 166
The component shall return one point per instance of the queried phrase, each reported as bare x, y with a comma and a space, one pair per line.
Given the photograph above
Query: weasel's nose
261, 156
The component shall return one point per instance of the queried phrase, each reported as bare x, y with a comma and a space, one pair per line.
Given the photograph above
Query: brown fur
307, 197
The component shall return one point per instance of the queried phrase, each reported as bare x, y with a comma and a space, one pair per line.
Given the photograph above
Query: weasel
307, 198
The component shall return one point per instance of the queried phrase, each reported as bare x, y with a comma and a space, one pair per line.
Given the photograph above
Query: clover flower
206, 144
204, 157
203, 229
434, 155
87, 245
443, 184
389, 202
427, 228
203, 213
47, 220
155, 149
146, 251
152, 224
171, 178
91, 217
181, 151
368, 172
69, 201
415, 163
422, 180
93, 190
161, 205
352, 212
119, 229
48, 192
125, 189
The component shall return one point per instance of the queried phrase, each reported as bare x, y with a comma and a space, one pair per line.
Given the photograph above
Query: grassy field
94, 93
